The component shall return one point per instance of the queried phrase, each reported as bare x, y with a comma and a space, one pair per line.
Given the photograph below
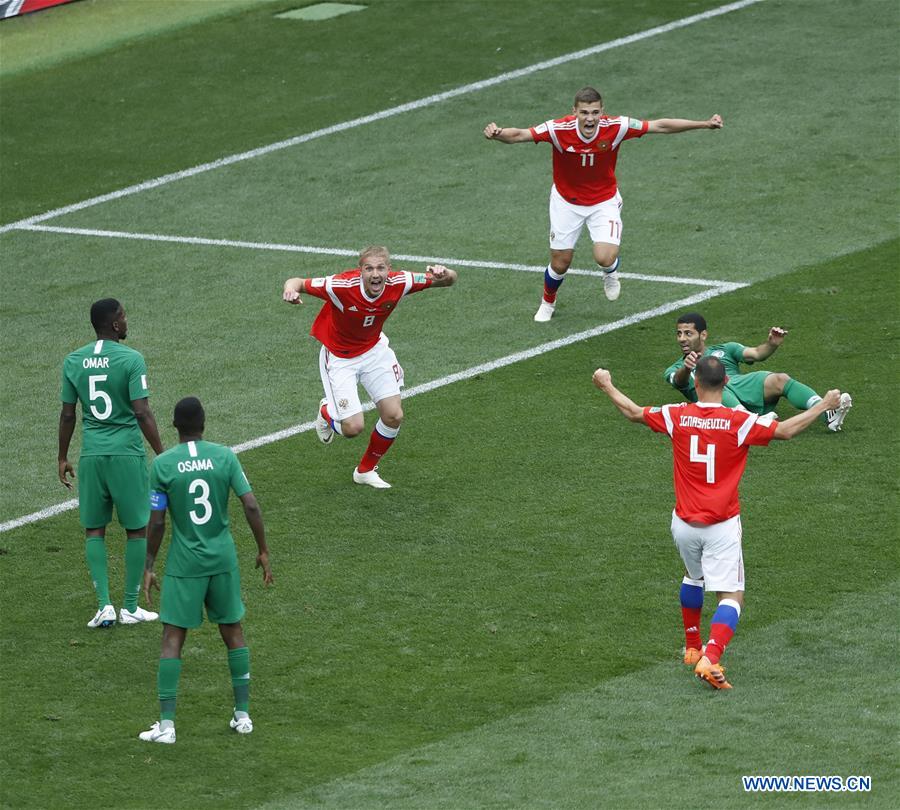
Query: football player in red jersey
584, 191
710, 443
356, 352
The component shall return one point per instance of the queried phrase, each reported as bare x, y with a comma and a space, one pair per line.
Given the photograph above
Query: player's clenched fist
491, 130
602, 378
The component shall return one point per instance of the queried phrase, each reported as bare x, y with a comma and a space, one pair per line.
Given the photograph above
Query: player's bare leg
390, 417
607, 256
554, 275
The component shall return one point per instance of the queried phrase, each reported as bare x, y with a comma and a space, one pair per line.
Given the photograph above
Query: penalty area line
331, 251
459, 376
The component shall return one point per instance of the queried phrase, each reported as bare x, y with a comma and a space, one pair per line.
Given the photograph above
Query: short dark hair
103, 312
695, 318
710, 372
189, 415
587, 95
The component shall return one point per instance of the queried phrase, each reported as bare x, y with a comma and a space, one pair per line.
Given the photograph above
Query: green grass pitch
501, 629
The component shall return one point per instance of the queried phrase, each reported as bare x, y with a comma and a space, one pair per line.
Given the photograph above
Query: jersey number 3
708, 458
204, 513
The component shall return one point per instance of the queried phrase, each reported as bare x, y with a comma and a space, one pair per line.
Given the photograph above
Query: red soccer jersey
709, 449
584, 171
350, 322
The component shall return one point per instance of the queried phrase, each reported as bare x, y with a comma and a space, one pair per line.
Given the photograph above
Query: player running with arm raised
710, 443
356, 352
584, 191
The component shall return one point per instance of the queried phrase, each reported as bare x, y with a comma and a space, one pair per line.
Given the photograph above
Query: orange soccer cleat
713, 674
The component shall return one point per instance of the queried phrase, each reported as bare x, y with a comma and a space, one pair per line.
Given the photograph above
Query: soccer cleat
105, 617
692, 655
242, 725
159, 735
713, 674
324, 431
545, 311
611, 285
371, 478
837, 416
139, 615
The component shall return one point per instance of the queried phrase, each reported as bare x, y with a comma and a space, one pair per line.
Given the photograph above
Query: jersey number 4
708, 458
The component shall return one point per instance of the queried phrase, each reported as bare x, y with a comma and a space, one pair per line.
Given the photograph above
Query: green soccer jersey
193, 481
106, 376
731, 355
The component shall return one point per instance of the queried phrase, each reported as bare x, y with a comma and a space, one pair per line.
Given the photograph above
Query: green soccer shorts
183, 599
748, 388
107, 480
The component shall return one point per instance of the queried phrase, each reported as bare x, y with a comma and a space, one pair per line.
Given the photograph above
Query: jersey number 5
95, 393
708, 458
201, 500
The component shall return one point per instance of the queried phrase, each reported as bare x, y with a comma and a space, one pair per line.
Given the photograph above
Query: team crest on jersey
418, 278
317, 282
342, 404
718, 353
388, 305
633, 123
603, 146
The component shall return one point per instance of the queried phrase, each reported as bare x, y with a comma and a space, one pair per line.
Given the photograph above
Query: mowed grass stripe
388, 113
467, 374
645, 738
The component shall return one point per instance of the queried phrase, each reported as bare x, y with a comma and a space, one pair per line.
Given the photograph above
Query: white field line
379, 116
326, 251
459, 376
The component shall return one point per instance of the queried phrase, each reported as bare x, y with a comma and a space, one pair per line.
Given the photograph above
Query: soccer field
501, 629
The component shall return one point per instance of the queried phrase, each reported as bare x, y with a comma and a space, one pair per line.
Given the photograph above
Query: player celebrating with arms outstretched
584, 192
355, 351
710, 443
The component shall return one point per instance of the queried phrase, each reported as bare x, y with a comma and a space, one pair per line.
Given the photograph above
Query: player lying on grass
757, 391
584, 191
356, 352
192, 481
710, 443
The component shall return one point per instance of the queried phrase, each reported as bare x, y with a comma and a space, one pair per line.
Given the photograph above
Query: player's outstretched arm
255, 522
670, 126
631, 411
442, 276
767, 349
506, 134
292, 289
147, 423
66, 429
801, 421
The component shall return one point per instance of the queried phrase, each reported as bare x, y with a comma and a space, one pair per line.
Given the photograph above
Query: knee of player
393, 418
606, 255
352, 427
779, 380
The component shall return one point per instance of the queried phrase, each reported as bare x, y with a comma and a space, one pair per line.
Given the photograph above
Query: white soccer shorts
377, 370
712, 553
604, 221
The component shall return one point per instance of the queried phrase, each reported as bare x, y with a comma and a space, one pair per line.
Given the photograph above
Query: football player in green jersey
756, 391
110, 381
192, 481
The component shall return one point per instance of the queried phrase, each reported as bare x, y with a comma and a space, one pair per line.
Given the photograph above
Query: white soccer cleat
242, 724
837, 416
159, 735
371, 478
611, 285
105, 617
324, 431
545, 311
139, 615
